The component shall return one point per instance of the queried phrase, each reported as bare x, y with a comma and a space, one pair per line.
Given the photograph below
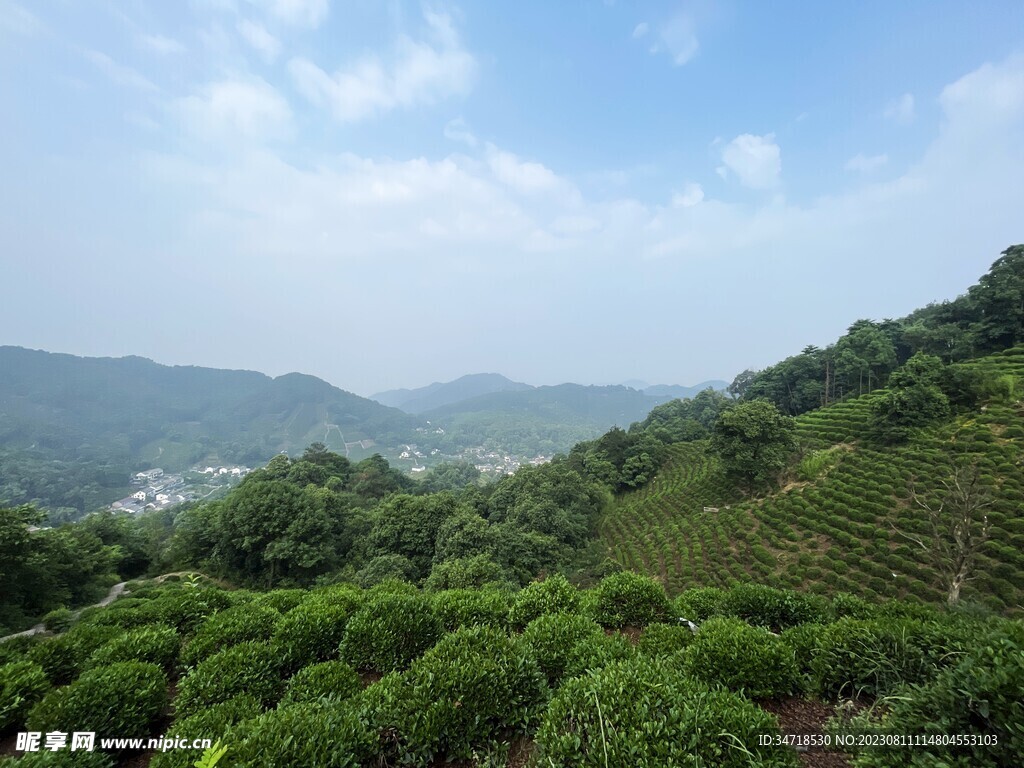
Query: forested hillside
72, 429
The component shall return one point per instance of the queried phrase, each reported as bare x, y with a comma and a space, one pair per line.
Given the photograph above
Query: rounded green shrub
64, 758
211, 722
665, 639
186, 609
742, 658
326, 680
776, 609
238, 624
63, 657
980, 696
122, 700
596, 652
153, 644
646, 713
846, 605
22, 684
247, 668
466, 607
552, 637
390, 631
699, 603
475, 686
310, 632
872, 657
325, 734
59, 620
553, 595
281, 600
629, 599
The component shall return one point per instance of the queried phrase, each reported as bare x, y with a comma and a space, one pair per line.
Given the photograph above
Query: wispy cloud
236, 109
418, 72
18, 19
260, 39
160, 44
756, 160
118, 73
862, 163
676, 38
457, 130
901, 110
305, 13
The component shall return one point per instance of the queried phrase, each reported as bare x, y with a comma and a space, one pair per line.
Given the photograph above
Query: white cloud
862, 163
305, 13
119, 73
677, 38
236, 109
989, 93
901, 110
17, 19
756, 160
640, 30
419, 72
457, 130
160, 44
691, 195
528, 177
261, 41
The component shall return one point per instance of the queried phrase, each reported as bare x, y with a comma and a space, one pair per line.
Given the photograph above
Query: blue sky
387, 194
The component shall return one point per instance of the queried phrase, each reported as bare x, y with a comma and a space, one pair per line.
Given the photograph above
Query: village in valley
159, 490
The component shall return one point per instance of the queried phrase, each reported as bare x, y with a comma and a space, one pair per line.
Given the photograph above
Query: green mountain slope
440, 394
547, 419
838, 530
72, 428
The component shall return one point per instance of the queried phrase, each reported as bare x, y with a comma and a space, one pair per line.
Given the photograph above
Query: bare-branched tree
958, 528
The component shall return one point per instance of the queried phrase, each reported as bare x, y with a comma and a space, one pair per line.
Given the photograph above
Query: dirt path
114, 593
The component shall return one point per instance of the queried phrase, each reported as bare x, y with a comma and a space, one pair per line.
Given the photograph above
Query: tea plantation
836, 525
549, 675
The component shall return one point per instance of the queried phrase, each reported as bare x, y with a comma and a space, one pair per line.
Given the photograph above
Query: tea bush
17, 648
63, 657
310, 632
238, 624
281, 600
153, 644
665, 639
474, 687
742, 658
185, 609
872, 657
326, 680
59, 620
699, 603
247, 668
390, 631
981, 695
646, 713
325, 734
22, 684
630, 599
211, 722
776, 609
552, 637
553, 595
121, 700
597, 652
61, 759
466, 607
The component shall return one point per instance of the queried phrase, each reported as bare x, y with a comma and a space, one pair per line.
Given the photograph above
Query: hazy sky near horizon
385, 194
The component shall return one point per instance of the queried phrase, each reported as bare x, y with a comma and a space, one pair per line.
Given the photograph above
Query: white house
139, 495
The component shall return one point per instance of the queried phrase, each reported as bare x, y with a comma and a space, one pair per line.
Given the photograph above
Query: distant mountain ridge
439, 395
60, 413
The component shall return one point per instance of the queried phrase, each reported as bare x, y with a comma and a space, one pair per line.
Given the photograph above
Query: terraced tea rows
837, 531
